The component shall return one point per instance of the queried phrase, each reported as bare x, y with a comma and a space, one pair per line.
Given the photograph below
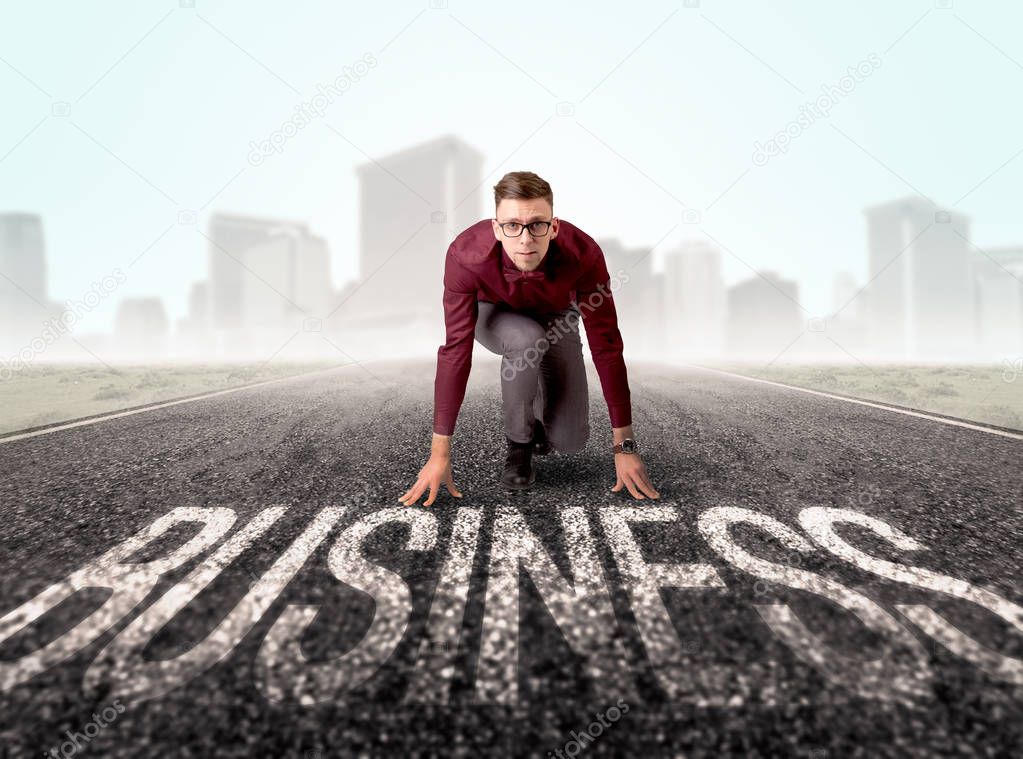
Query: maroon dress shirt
573, 272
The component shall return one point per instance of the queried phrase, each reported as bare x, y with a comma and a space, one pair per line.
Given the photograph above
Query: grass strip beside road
988, 394
47, 394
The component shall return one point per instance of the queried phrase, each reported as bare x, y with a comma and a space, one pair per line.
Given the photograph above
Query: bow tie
515, 275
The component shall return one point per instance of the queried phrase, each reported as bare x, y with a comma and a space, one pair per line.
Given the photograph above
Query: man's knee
526, 344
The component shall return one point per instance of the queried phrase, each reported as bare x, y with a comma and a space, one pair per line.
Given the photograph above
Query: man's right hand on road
436, 471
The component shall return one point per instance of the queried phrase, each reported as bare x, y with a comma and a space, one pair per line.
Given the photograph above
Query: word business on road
206, 541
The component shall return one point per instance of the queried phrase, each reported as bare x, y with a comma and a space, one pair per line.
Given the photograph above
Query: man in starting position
519, 284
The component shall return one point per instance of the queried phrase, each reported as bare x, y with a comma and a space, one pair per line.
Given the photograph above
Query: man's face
526, 251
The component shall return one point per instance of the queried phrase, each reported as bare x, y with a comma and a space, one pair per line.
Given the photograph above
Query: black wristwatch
626, 446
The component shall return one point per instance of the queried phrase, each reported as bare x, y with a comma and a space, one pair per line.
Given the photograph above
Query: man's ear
554, 227
497, 229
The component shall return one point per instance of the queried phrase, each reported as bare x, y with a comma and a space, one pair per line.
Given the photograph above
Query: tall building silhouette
412, 204
846, 295
919, 293
694, 300
23, 298
638, 300
297, 265
845, 323
998, 290
197, 320
764, 317
264, 273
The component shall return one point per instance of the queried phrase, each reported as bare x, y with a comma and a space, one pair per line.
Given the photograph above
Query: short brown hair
522, 185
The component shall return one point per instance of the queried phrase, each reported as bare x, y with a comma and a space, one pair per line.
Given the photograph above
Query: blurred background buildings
930, 294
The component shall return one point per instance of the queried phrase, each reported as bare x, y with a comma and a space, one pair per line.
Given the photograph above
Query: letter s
284, 671
819, 521
889, 677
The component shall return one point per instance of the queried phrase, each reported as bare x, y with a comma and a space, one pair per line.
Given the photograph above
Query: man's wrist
618, 434
440, 445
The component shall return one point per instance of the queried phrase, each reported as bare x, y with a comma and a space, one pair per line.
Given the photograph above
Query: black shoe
518, 466
541, 446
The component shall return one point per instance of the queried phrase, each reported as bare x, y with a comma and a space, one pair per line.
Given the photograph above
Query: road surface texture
234, 575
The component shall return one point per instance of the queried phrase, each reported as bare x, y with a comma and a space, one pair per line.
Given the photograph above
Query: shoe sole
524, 486
509, 486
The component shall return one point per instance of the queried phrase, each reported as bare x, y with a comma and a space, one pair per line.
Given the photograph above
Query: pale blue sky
681, 96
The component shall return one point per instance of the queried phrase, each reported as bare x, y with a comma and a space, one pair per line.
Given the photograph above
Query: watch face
628, 446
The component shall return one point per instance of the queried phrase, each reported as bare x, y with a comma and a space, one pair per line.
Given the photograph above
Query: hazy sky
668, 104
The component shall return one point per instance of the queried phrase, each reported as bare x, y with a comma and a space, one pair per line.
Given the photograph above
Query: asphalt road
234, 575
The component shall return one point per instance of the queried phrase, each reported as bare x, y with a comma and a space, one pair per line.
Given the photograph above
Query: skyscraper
846, 330
998, 283
232, 235
638, 300
846, 296
764, 317
290, 282
412, 204
23, 298
694, 300
919, 292
265, 272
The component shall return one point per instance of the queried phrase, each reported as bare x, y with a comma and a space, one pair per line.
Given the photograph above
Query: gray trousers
542, 373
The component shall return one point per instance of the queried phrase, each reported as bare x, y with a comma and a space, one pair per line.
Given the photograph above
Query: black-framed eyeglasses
514, 228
